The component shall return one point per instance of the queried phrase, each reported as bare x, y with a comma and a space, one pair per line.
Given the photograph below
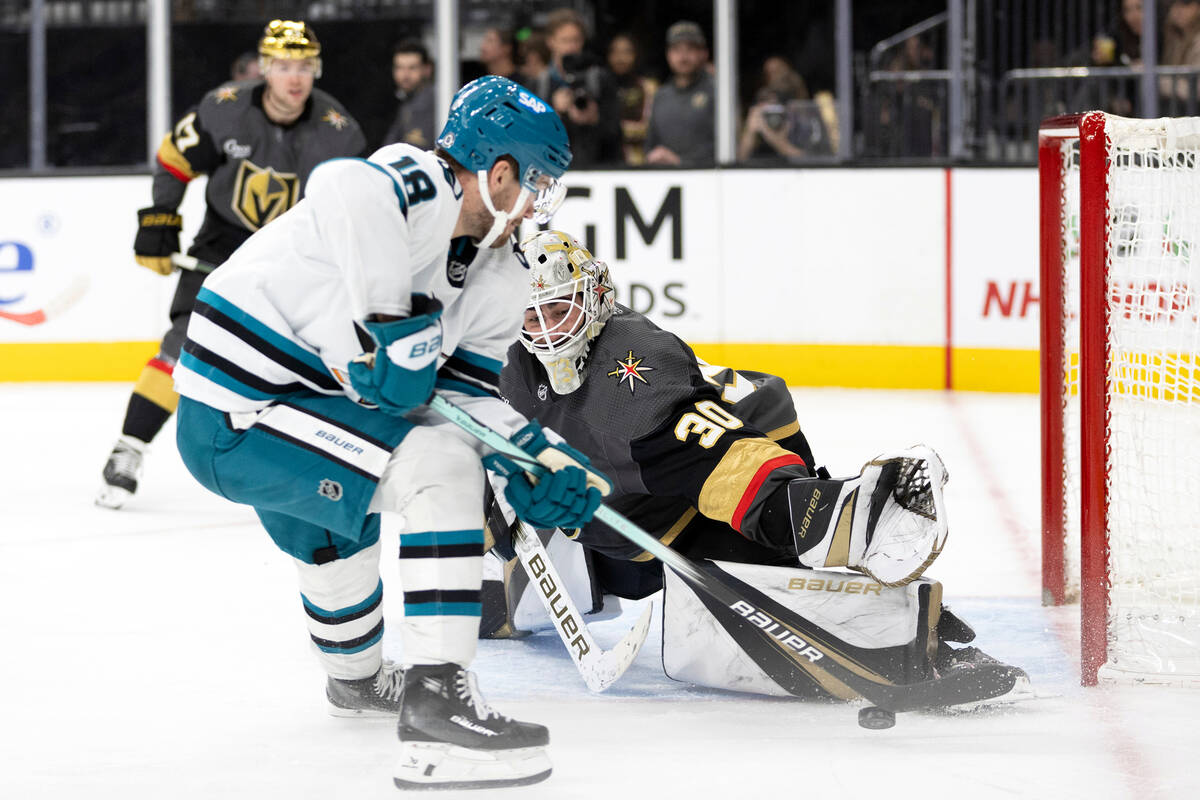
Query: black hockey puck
876, 718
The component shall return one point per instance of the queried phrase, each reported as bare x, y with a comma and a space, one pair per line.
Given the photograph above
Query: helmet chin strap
500, 219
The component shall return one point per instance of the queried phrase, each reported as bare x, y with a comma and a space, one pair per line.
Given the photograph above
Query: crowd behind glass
631, 96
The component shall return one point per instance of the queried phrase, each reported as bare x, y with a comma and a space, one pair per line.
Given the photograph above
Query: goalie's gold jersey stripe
726, 485
858, 366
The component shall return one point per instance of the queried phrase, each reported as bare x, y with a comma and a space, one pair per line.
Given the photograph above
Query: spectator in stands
910, 114
1121, 44
497, 53
245, 67
534, 58
635, 95
581, 91
412, 71
783, 122
682, 131
1181, 48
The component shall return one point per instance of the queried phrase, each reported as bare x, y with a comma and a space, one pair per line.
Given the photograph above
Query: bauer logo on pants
330, 489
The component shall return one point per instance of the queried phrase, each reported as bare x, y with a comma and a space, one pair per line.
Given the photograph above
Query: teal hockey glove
401, 373
567, 492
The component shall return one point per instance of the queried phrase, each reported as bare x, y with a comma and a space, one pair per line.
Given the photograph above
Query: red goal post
1120, 390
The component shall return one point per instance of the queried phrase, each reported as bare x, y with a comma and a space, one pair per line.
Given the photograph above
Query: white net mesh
1153, 432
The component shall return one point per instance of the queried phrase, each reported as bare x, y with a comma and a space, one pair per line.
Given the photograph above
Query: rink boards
890, 278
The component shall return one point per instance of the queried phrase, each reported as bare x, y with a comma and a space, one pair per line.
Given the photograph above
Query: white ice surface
160, 651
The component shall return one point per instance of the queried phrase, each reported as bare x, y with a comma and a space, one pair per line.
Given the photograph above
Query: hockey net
1120, 255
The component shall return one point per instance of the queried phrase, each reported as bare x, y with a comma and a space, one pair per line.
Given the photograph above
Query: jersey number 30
708, 422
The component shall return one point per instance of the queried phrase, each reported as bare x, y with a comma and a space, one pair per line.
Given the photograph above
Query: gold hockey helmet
284, 38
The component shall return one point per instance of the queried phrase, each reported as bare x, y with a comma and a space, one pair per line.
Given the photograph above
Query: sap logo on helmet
531, 102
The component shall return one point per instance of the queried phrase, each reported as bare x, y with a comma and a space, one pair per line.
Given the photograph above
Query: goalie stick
784, 645
599, 668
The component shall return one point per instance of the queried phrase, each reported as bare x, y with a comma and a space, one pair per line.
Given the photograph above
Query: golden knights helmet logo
260, 194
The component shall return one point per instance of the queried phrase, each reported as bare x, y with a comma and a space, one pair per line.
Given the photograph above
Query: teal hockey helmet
492, 117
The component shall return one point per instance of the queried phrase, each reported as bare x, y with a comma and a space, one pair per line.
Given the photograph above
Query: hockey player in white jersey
309, 357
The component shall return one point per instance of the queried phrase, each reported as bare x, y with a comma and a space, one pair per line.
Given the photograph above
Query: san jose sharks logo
631, 370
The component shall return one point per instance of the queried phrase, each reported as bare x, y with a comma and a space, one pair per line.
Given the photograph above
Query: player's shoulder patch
642, 367
229, 96
331, 114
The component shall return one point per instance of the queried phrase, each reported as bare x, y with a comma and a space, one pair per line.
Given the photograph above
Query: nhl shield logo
458, 260
330, 489
543, 392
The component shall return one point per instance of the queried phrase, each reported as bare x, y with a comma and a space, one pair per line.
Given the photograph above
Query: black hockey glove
157, 238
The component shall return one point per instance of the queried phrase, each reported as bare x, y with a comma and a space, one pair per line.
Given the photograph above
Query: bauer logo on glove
401, 373
157, 238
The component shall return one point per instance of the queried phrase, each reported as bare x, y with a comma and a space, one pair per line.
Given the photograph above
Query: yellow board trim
855, 366
995, 370
74, 361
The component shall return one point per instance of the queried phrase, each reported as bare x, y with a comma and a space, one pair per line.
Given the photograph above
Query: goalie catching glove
889, 522
401, 373
566, 497
157, 238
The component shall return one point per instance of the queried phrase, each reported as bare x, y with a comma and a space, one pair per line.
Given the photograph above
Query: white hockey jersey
279, 316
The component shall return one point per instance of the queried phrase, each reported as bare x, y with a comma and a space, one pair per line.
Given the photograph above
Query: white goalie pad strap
854, 608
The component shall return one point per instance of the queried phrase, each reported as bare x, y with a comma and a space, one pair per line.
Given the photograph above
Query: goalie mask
572, 297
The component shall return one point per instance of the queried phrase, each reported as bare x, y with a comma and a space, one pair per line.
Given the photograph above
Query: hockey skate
121, 472
451, 739
375, 696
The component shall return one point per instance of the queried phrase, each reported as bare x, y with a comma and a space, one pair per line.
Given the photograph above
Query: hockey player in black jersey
256, 140
712, 461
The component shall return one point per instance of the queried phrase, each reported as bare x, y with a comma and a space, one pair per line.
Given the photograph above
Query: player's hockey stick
600, 668
191, 263
786, 646
57, 305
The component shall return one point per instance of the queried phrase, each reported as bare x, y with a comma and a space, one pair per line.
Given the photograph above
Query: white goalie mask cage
571, 297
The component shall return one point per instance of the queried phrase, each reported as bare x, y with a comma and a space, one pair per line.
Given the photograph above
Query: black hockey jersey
676, 436
256, 168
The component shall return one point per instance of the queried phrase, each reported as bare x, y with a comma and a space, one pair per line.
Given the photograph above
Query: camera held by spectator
575, 68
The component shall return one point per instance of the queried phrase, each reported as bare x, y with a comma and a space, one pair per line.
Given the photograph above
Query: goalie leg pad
889, 522
888, 631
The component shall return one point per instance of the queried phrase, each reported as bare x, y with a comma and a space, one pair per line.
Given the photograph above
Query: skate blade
360, 713
112, 496
431, 765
